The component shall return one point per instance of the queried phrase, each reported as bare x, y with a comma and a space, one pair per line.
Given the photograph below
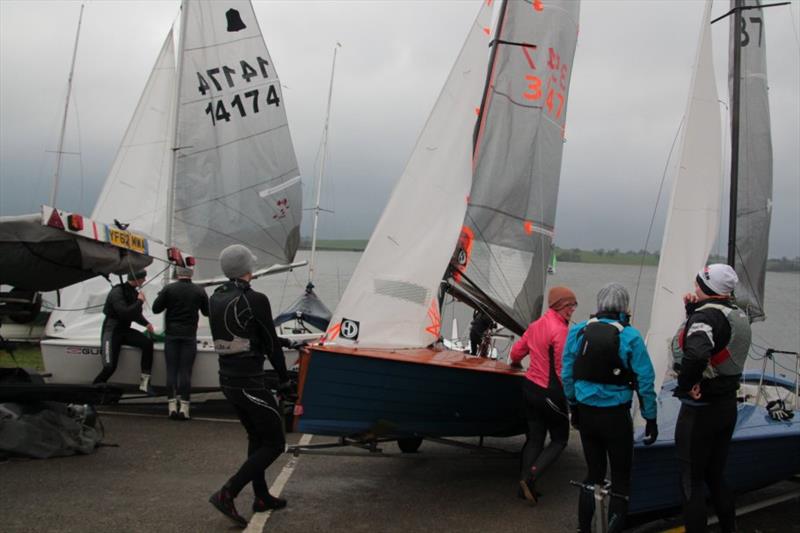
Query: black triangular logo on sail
234, 20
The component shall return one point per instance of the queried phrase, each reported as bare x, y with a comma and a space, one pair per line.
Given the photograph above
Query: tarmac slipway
162, 472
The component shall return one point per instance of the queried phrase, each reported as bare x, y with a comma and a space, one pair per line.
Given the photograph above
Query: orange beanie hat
559, 297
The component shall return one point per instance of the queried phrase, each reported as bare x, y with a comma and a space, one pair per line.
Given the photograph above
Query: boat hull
762, 452
78, 362
371, 393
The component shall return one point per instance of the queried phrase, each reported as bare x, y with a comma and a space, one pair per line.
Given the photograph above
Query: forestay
693, 215
507, 235
754, 202
391, 299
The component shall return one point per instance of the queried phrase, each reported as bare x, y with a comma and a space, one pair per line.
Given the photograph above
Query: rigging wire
655, 211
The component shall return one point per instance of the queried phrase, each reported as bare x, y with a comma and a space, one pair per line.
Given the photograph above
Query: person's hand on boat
650, 431
515, 364
150, 328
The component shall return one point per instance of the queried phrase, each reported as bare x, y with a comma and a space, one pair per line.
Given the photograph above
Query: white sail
391, 297
693, 215
235, 162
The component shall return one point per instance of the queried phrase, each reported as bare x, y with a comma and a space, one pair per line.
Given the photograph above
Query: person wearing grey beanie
244, 335
183, 301
709, 353
604, 361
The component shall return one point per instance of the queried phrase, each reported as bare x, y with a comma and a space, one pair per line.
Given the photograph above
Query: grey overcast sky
629, 87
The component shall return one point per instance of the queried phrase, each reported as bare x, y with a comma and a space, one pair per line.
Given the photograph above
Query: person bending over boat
123, 306
182, 301
244, 333
709, 353
605, 360
545, 404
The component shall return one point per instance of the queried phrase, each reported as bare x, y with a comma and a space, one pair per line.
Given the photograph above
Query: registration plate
126, 239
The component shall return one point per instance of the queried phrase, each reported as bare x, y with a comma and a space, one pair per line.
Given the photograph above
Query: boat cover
38, 257
308, 308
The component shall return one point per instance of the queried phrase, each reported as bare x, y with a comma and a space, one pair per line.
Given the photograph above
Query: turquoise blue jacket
631, 348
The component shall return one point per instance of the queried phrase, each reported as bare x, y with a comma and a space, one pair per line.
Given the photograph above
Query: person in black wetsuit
123, 306
244, 333
709, 353
182, 300
481, 323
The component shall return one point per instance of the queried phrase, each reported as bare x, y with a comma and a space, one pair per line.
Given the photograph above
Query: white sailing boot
144, 384
184, 413
172, 407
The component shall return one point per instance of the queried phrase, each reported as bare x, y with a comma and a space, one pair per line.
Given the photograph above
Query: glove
574, 420
650, 432
297, 345
515, 364
777, 411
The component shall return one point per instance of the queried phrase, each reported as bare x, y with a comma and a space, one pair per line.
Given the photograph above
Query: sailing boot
144, 385
172, 407
268, 503
184, 412
223, 500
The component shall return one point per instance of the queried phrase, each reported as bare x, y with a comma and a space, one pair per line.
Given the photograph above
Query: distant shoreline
564, 255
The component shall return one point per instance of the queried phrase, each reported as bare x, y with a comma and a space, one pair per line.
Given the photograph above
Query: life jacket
598, 360
730, 360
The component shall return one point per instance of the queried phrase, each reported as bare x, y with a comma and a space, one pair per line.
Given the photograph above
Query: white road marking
259, 520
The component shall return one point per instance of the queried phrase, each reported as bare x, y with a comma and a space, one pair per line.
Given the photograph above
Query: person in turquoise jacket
605, 360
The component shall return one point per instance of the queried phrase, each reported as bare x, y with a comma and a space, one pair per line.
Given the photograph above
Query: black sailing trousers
702, 440
546, 412
111, 343
259, 414
179, 354
606, 435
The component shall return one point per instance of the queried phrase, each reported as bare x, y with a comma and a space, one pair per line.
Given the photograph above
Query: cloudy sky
629, 87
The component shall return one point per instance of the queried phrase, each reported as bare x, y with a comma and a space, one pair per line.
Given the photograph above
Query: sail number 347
245, 103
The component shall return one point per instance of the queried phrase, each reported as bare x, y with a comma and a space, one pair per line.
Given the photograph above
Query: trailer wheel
409, 444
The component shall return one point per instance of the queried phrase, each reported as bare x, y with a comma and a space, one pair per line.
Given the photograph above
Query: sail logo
283, 207
349, 329
234, 20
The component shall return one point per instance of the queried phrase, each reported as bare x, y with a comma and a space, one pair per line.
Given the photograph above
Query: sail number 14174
248, 102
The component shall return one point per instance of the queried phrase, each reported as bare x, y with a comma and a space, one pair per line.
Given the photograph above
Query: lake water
780, 331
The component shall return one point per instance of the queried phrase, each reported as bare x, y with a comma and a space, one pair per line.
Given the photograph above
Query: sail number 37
247, 102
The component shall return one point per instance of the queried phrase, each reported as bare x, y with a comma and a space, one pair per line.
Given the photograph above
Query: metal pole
321, 171
60, 151
735, 97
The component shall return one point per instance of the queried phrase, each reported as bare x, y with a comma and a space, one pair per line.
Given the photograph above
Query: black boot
268, 503
585, 511
223, 501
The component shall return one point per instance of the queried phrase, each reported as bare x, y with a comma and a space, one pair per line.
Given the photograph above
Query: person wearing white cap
709, 353
183, 301
244, 333
605, 360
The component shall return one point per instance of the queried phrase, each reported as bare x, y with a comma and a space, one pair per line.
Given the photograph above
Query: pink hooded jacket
549, 330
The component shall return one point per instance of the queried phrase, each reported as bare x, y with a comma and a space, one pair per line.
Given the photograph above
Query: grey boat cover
506, 241
41, 258
52, 431
754, 202
308, 308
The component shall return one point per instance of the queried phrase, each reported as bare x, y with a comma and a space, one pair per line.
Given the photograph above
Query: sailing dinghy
763, 450
207, 161
494, 139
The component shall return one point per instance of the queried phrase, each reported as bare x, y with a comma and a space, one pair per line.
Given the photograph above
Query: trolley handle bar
604, 491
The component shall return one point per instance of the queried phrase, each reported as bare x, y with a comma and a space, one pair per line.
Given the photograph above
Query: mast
487, 87
321, 173
168, 237
60, 151
735, 97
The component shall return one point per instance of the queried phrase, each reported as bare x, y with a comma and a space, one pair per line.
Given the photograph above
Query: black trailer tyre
409, 444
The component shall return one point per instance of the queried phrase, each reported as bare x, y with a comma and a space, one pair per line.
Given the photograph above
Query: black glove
778, 411
297, 345
574, 420
650, 431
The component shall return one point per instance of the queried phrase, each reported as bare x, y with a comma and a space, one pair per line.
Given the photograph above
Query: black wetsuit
183, 301
477, 328
121, 308
704, 428
244, 333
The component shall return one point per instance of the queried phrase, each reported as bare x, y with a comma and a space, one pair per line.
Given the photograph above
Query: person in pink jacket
545, 403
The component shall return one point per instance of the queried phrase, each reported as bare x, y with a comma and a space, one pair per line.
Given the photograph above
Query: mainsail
391, 299
693, 215
207, 159
506, 241
754, 198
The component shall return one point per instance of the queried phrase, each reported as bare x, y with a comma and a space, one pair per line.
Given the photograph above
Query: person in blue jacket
605, 360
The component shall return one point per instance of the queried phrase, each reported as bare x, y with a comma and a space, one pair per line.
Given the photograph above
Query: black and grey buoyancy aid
598, 360
730, 359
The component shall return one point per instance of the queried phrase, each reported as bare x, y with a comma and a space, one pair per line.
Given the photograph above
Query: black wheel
409, 444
